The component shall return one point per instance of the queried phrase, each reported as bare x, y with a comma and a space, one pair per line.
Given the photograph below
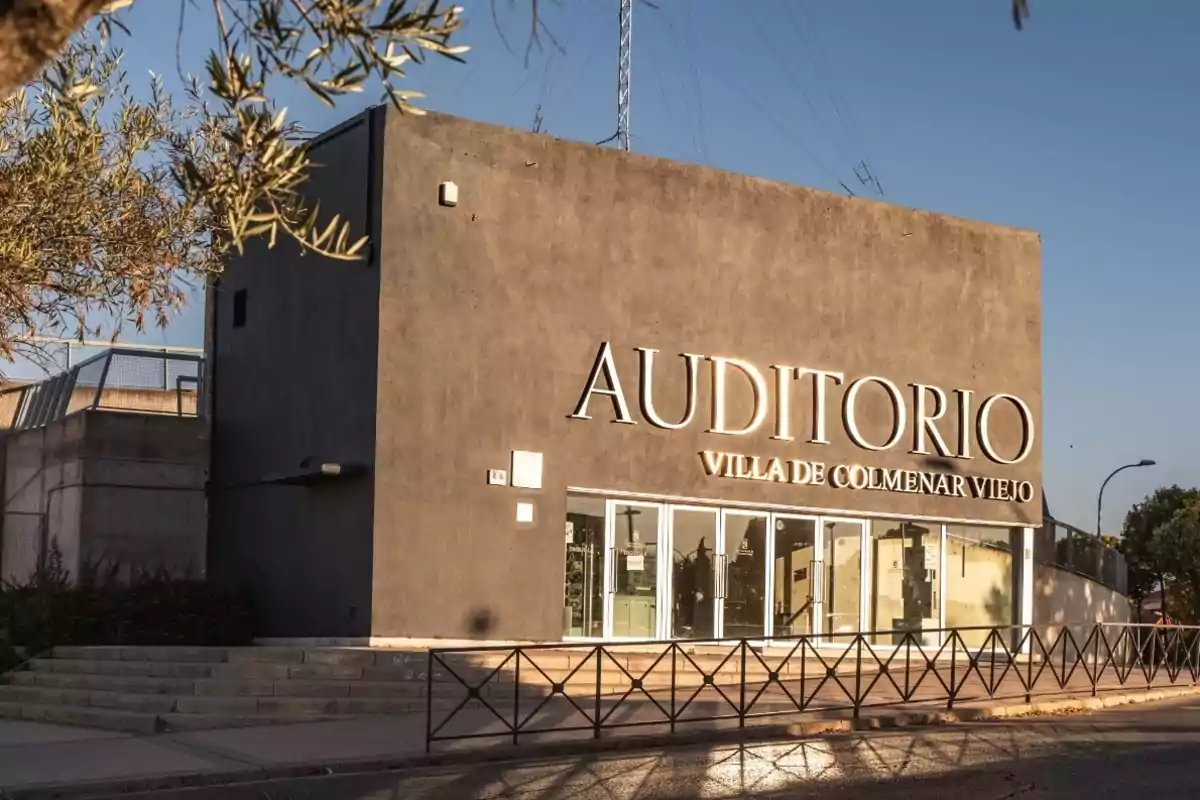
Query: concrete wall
111, 488
153, 401
1062, 598
292, 389
492, 313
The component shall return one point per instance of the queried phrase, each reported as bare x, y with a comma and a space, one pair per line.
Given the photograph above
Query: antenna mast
623, 74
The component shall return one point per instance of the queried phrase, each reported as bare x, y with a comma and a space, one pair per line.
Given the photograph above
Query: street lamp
1145, 462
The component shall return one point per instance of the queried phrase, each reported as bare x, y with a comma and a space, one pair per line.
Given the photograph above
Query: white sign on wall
526, 469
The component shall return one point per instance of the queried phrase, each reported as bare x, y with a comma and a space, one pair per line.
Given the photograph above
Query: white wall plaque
497, 477
526, 469
524, 512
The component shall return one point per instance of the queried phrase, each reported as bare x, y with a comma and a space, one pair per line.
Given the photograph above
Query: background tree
1145, 560
1177, 547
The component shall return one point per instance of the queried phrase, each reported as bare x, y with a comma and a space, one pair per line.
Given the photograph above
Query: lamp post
1145, 462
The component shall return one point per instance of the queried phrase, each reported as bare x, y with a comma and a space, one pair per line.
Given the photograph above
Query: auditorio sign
917, 412
857, 476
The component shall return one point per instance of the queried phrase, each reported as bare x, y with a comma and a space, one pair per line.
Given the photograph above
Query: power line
865, 170
787, 68
788, 133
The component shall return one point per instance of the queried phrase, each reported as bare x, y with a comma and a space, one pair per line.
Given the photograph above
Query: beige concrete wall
108, 488
1062, 598
153, 401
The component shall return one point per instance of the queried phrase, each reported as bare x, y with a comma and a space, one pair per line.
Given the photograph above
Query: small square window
239, 308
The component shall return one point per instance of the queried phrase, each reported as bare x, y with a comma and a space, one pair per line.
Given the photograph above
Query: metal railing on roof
119, 379
1067, 547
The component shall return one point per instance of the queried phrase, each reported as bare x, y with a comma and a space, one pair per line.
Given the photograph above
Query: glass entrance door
796, 570
633, 587
586, 560
841, 578
743, 606
693, 536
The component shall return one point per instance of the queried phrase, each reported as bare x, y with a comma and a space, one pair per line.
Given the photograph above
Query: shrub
149, 608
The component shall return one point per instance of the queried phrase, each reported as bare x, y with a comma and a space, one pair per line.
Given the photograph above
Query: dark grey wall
491, 314
297, 385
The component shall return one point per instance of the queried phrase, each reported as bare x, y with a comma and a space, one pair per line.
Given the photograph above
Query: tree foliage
1176, 546
113, 204
1155, 541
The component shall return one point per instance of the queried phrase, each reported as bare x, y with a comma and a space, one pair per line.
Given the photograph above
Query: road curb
531, 752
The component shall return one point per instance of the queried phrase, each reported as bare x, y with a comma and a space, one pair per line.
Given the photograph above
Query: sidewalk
77, 762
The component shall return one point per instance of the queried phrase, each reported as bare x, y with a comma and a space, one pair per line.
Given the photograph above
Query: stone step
197, 655
276, 707
204, 722
41, 695
156, 669
66, 680
131, 722
84, 717
265, 673
271, 661
535, 686
498, 684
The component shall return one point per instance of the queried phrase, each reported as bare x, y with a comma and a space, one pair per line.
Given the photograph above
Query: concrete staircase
159, 689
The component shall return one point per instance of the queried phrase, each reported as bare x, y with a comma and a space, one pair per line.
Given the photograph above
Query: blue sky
1082, 127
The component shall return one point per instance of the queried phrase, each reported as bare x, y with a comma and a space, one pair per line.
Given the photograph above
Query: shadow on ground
1067, 758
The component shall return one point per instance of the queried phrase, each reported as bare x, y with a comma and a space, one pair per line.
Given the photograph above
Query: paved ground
1134, 751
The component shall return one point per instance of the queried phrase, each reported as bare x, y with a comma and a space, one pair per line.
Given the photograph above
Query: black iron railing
517, 692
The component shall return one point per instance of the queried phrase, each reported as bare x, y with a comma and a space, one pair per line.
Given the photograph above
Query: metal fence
1067, 547
119, 379
593, 690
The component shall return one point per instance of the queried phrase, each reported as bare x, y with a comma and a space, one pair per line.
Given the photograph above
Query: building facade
575, 393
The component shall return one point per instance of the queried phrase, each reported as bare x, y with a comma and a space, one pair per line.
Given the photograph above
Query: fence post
599, 666
953, 668
1033, 636
517, 698
858, 643
428, 700
103, 379
742, 689
674, 653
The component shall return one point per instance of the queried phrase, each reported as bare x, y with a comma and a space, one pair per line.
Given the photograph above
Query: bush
149, 608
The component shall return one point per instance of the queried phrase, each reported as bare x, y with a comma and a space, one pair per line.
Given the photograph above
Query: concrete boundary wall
1063, 598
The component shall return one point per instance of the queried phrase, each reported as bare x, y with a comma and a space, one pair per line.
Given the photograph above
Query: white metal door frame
610, 568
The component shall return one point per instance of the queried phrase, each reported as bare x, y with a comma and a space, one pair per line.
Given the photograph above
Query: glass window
583, 606
793, 597
843, 578
746, 576
905, 559
635, 596
693, 537
979, 580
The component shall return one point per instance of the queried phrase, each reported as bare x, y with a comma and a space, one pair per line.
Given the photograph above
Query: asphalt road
1129, 752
